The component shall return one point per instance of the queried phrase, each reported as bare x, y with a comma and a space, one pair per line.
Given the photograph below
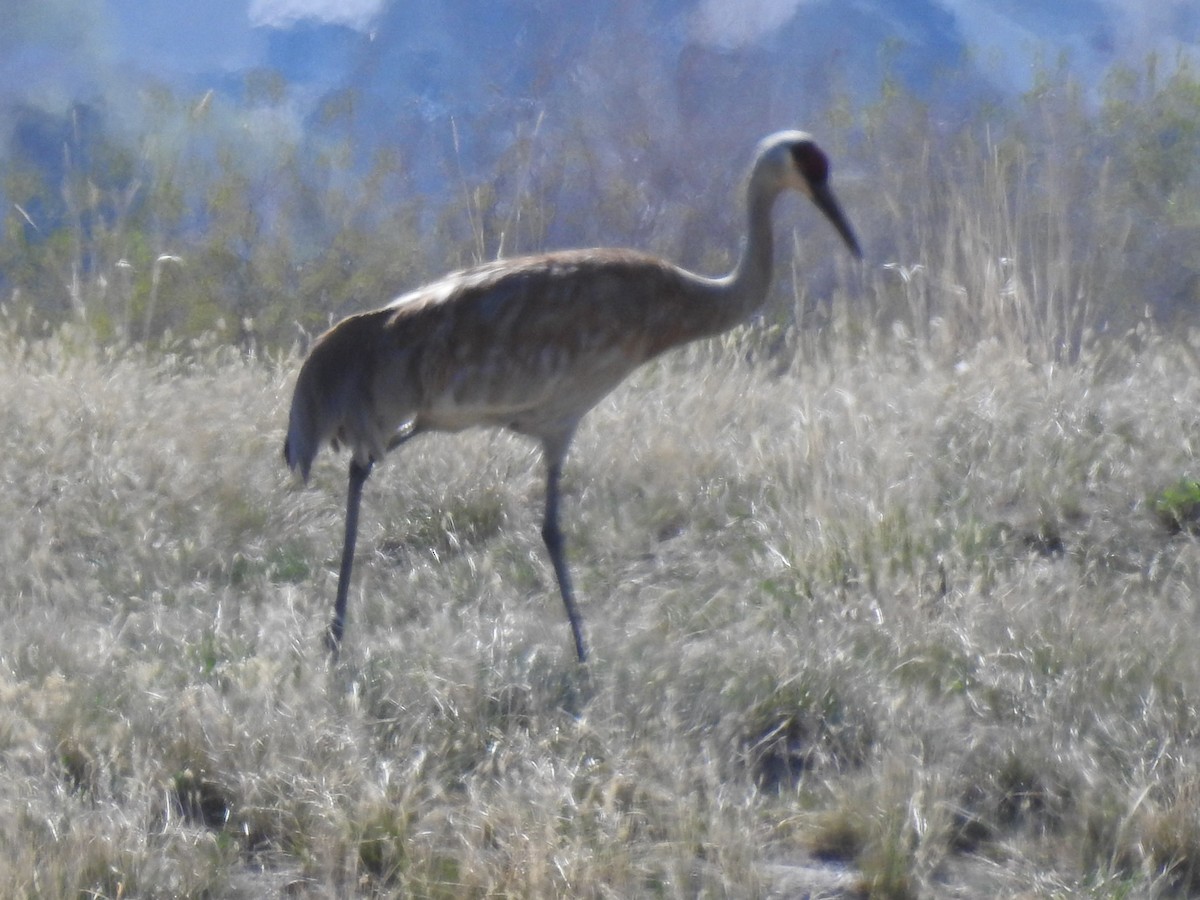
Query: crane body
529, 344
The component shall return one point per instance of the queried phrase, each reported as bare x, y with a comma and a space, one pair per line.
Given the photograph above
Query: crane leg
552, 536
358, 477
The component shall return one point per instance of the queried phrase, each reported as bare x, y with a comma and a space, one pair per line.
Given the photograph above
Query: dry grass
874, 625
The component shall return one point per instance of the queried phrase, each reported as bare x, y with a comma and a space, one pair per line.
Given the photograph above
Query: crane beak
823, 197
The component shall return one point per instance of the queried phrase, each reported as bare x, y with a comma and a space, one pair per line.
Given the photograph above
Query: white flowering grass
878, 625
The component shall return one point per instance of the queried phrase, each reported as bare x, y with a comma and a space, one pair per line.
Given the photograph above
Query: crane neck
743, 291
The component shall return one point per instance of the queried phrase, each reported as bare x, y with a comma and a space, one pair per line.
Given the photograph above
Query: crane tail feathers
299, 448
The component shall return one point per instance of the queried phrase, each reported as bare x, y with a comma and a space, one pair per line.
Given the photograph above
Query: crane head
792, 159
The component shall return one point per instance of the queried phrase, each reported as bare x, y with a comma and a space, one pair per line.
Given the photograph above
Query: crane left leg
358, 477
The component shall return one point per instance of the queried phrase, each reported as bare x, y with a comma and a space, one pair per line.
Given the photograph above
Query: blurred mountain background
171, 166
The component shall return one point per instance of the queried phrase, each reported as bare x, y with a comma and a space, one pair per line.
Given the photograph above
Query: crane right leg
552, 535
358, 477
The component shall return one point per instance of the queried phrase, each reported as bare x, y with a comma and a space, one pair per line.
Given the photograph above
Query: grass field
882, 624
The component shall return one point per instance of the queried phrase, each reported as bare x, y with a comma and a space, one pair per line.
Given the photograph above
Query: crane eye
811, 162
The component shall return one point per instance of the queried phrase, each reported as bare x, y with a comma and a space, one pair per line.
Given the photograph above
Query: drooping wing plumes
332, 399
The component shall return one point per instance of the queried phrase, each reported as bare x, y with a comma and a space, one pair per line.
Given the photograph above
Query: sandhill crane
529, 344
